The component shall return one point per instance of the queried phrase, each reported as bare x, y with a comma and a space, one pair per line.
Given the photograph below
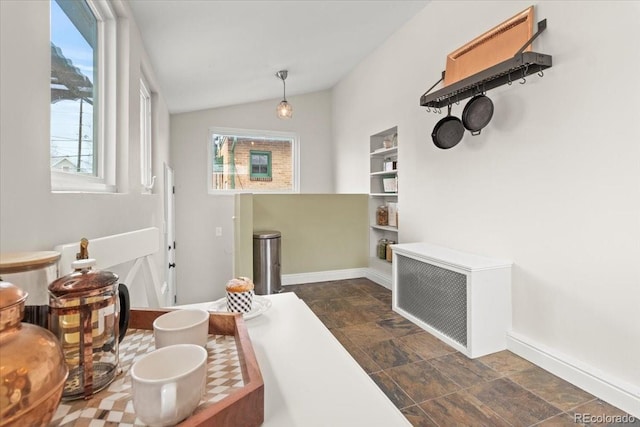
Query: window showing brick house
252, 162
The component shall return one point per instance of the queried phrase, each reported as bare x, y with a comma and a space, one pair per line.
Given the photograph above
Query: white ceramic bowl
181, 327
165, 392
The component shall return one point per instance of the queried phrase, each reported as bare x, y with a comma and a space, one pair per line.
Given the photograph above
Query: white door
170, 237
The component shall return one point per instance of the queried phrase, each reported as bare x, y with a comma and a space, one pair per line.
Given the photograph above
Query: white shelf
391, 172
383, 194
385, 228
382, 152
380, 265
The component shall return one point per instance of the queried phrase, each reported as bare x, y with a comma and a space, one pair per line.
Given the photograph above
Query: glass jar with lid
389, 251
382, 215
381, 248
32, 271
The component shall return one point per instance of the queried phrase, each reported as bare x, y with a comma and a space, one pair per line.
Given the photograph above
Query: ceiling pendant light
283, 109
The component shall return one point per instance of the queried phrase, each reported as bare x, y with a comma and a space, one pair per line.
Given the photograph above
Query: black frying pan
477, 113
448, 131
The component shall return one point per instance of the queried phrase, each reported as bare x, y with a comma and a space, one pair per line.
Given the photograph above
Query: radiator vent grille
434, 295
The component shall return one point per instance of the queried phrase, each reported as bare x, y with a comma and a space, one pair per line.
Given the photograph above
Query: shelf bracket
542, 25
435, 84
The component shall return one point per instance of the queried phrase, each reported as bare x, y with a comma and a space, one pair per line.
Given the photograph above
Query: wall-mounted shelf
511, 70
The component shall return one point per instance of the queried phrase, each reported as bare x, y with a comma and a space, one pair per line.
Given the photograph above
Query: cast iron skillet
477, 113
448, 131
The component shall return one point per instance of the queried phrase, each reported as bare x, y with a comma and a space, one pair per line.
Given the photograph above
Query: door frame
170, 237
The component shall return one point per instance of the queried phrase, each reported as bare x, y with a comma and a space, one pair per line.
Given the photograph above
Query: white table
309, 378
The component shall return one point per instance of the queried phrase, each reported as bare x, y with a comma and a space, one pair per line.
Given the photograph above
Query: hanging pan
448, 131
477, 113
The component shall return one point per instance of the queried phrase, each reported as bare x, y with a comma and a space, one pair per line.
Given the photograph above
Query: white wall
31, 217
204, 262
553, 182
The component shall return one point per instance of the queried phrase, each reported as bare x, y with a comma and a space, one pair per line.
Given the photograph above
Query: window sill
232, 192
63, 182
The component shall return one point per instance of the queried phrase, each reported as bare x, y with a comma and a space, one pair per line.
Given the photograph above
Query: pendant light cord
284, 90
282, 75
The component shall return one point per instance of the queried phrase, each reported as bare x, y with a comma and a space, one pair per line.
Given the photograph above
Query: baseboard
322, 276
379, 278
613, 391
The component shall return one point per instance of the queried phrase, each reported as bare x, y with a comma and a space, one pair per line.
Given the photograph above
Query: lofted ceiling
210, 53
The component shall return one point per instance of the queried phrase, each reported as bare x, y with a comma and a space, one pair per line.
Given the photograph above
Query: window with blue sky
73, 81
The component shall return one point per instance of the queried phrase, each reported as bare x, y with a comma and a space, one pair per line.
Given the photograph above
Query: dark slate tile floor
432, 383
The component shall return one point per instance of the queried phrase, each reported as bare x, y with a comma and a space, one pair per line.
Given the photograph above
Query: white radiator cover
461, 298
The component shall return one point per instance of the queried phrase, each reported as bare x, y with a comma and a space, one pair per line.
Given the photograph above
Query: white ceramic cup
165, 392
181, 327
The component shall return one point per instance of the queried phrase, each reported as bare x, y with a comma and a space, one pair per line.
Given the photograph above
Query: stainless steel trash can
266, 262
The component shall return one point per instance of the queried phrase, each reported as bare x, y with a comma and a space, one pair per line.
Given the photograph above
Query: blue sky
65, 35
65, 114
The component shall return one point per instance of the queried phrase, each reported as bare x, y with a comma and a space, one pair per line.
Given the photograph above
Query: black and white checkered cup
240, 302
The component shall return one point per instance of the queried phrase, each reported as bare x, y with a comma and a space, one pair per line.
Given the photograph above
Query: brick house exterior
275, 173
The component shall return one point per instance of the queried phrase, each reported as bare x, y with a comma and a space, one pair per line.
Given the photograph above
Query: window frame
254, 133
105, 127
146, 137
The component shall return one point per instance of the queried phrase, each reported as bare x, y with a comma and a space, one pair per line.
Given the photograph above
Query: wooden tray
494, 46
239, 405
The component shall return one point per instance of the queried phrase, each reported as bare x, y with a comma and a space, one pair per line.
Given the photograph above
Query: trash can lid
268, 234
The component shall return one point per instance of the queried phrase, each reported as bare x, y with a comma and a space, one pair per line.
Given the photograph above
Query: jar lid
10, 295
82, 282
18, 262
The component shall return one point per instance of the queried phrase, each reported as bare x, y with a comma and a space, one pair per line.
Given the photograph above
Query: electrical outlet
218, 231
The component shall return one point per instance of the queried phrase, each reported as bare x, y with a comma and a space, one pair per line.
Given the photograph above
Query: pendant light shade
284, 109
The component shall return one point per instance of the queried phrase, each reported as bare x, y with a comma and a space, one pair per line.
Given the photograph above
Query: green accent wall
320, 232
243, 235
